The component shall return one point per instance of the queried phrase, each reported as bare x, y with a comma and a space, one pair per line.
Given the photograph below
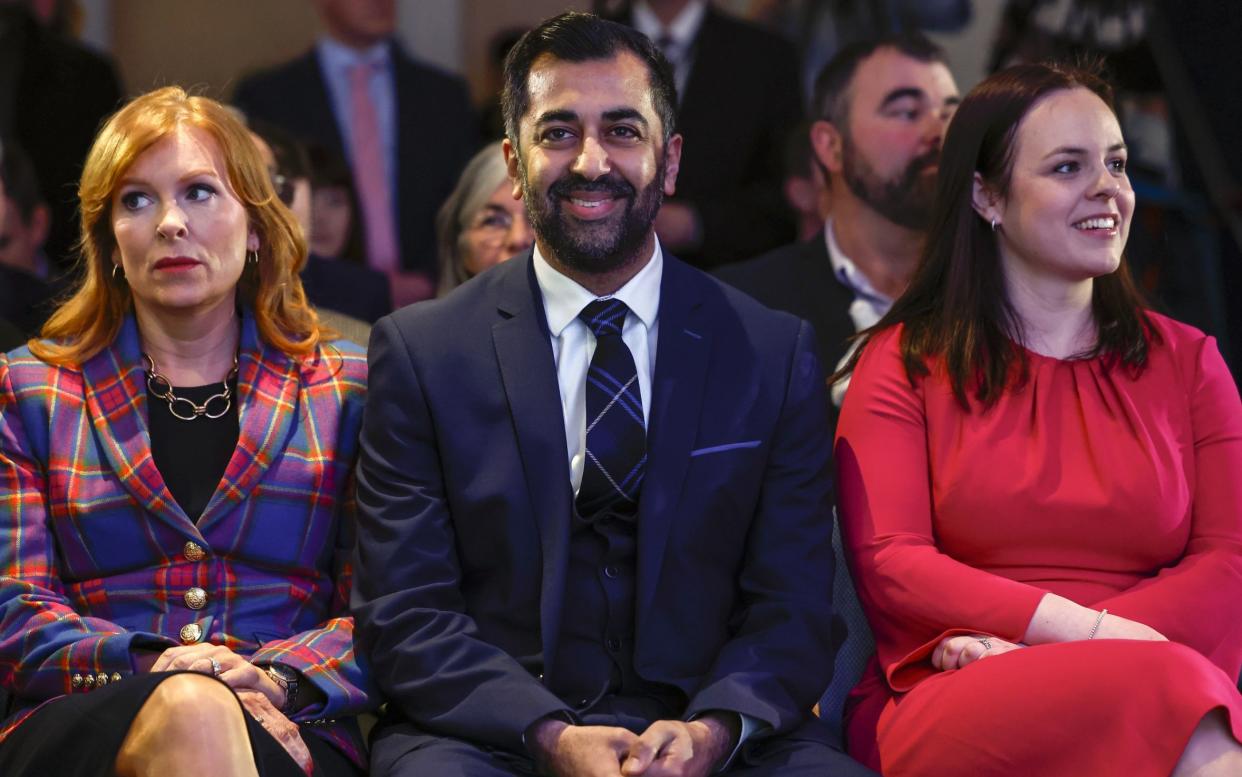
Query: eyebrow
197, 173
1076, 151
614, 114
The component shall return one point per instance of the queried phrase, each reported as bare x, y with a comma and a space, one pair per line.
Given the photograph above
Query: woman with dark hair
1040, 480
176, 459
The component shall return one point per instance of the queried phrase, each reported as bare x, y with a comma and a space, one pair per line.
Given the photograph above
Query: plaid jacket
96, 556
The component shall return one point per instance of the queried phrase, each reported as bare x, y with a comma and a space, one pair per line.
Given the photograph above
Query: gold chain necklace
189, 411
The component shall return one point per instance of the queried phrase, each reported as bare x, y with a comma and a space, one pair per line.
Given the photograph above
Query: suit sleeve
779, 657
427, 655
1209, 574
44, 641
914, 594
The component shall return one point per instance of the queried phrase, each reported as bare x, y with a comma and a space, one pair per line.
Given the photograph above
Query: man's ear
826, 140
511, 162
986, 202
672, 164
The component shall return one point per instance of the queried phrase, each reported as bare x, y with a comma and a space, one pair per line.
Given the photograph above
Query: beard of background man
905, 199
601, 246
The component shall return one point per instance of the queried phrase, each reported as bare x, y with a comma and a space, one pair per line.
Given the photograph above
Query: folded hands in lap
668, 748
960, 651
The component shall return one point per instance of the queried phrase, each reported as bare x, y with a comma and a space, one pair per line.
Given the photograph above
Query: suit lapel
267, 402
116, 401
524, 352
676, 391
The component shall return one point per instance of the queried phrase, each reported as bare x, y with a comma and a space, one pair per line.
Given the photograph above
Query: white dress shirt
573, 343
868, 307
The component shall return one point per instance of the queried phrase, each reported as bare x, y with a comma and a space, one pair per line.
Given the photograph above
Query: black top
192, 455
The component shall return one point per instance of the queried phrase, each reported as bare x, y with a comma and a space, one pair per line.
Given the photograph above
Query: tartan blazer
96, 556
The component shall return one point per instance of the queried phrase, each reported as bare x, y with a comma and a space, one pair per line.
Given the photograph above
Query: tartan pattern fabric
93, 560
616, 436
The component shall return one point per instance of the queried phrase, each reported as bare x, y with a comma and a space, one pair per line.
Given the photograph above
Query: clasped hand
259, 694
668, 748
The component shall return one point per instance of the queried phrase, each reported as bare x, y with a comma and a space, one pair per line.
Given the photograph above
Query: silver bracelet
1098, 620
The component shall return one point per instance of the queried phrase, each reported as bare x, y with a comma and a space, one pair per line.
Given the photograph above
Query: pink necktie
369, 174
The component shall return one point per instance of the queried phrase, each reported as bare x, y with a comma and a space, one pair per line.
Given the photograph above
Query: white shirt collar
338, 55
847, 272
683, 29
564, 299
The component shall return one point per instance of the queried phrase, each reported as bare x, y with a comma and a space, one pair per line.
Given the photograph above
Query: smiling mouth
1097, 223
589, 209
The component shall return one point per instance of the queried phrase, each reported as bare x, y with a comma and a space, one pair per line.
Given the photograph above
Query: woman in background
480, 224
176, 458
1040, 480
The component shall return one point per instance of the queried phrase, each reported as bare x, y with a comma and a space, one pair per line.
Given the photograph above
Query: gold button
89, 681
196, 598
76, 680
101, 679
191, 633
193, 551
116, 677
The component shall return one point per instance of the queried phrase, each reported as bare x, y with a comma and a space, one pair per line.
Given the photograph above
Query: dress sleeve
1196, 601
44, 641
914, 594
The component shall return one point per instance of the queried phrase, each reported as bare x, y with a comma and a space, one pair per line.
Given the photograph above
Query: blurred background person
406, 127
26, 294
10, 335
806, 183
336, 228
347, 288
222, 423
54, 94
481, 224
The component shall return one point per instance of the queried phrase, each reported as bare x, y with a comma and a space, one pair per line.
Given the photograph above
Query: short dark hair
583, 37
833, 82
956, 307
21, 182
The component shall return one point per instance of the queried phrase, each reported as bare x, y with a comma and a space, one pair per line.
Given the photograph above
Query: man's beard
594, 247
905, 200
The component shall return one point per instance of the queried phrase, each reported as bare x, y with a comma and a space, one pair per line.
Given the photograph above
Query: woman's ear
986, 202
252, 241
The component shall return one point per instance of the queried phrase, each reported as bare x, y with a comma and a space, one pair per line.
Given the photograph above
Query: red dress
1110, 490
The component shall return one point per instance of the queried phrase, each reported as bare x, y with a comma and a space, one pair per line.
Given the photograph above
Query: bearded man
883, 106
594, 530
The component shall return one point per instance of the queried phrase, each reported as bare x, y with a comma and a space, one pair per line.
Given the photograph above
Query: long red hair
90, 318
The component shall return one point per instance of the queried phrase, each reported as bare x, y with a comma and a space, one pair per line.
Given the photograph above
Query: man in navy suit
594, 532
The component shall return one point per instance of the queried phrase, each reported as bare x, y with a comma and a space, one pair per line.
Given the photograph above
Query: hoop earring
993, 223
252, 258
116, 267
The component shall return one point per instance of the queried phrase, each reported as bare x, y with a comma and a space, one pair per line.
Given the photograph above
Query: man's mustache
567, 185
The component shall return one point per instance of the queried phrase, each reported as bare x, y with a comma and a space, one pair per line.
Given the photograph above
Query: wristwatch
288, 679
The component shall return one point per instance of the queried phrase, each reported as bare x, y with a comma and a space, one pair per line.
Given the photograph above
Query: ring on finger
215, 667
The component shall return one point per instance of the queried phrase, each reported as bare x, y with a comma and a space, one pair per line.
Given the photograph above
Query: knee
190, 701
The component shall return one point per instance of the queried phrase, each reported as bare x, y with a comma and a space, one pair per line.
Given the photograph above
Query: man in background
882, 109
406, 128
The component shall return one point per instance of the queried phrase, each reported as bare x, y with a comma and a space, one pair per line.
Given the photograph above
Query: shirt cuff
748, 727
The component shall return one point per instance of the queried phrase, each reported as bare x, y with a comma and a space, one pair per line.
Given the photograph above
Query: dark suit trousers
403, 751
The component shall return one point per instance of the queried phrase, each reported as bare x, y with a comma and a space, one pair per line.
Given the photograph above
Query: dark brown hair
956, 306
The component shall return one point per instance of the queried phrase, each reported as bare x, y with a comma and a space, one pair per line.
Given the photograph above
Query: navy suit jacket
436, 134
465, 505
